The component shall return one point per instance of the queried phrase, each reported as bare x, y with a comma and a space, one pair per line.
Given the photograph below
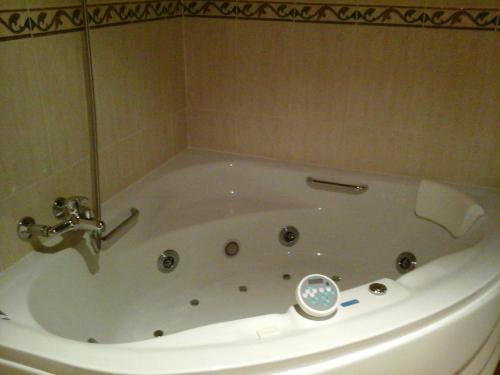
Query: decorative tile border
476, 19
121, 13
392, 16
382, 15
23, 23
54, 20
326, 13
14, 24
211, 8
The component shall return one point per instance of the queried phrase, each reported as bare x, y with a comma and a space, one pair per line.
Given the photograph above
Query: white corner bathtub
441, 318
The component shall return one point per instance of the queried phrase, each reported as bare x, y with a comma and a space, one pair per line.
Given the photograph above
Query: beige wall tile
59, 60
110, 179
411, 3
161, 143
464, 3
380, 69
211, 130
51, 3
91, 2
261, 135
436, 3
6, 179
123, 163
447, 60
75, 180
179, 132
113, 53
141, 108
156, 145
154, 85
24, 144
262, 80
315, 140
210, 63
13, 4
173, 52
392, 100
130, 159
44, 133
492, 175
139, 74
160, 79
322, 70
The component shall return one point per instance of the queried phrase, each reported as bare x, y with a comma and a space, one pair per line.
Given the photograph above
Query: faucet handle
75, 201
64, 207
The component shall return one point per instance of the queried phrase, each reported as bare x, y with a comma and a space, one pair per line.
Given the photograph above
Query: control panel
318, 296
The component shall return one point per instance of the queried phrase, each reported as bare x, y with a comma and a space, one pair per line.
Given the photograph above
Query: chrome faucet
74, 215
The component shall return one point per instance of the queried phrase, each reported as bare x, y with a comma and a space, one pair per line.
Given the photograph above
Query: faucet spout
60, 228
28, 228
91, 225
76, 217
74, 223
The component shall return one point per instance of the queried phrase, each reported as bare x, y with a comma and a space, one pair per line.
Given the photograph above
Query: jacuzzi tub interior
355, 237
198, 203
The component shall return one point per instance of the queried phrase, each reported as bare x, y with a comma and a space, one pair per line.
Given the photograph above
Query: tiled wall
397, 86
44, 142
139, 85
398, 90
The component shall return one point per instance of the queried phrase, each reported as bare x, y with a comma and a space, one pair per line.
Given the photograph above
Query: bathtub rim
491, 290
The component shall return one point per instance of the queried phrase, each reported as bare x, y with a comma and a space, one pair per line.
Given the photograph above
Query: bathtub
115, 312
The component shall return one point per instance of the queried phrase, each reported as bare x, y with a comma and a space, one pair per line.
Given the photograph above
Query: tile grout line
184, 62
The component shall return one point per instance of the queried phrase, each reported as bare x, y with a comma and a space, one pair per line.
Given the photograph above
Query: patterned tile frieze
112, 14
477, 19
326, 13
21, 23
53, 20
454, 18
219, 9
14, 24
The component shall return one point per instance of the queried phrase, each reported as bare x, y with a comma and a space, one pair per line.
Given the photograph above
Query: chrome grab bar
121, 228
336, 186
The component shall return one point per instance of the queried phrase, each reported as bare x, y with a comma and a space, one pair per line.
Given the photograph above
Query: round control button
325, 295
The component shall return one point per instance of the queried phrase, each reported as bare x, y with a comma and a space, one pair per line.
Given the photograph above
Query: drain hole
232, 248
243, 288
336, 278
158, 333
168, 261
194, 302
288, 236
92, 340
406, 262
287, 276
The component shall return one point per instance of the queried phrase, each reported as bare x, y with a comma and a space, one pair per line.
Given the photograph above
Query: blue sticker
349, 303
